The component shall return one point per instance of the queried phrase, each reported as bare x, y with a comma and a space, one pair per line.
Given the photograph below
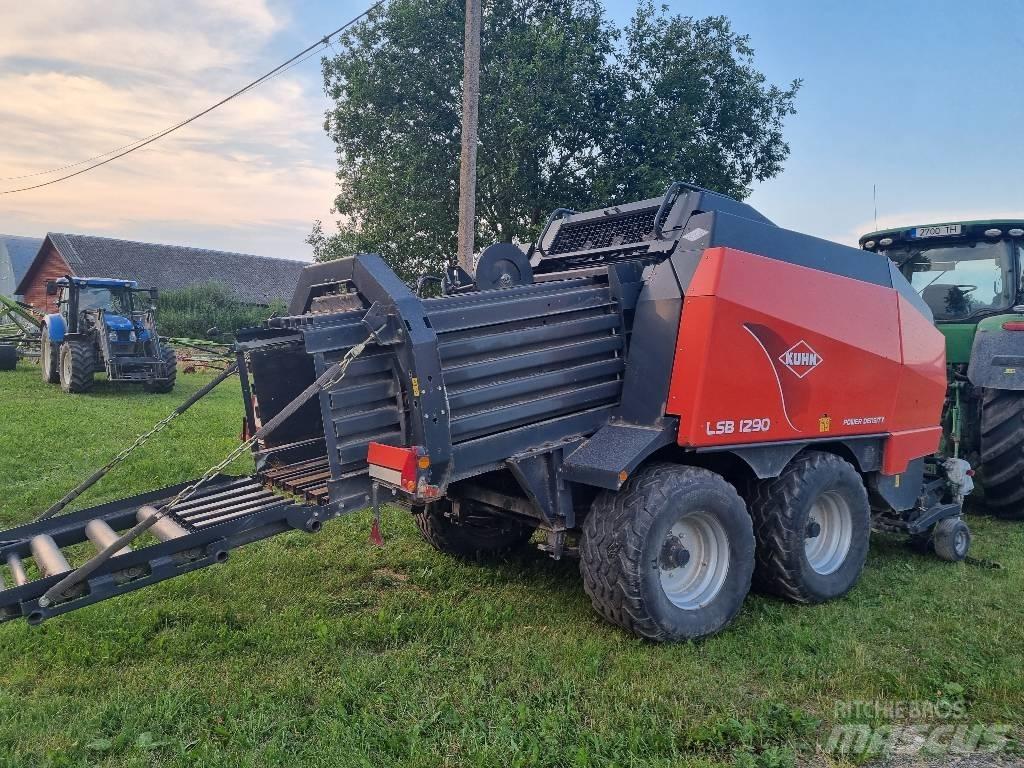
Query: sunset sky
921, 98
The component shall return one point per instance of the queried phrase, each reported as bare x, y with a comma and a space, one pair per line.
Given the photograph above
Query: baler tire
627, 534
49, 360
1002, 452
482, 534
76, 366
951, 540
8, 357
782, 508
171, 366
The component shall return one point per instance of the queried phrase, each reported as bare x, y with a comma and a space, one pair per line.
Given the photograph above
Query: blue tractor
104, 324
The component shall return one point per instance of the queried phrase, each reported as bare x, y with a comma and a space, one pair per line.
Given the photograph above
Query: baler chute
677, 390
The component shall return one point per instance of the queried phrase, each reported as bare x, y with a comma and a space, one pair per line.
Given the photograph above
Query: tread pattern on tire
777, 570
612, 542
1002, 451
82, 356
171, 365
52, 351
486, 535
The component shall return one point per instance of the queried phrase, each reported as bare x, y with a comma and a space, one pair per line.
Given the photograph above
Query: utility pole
470, 122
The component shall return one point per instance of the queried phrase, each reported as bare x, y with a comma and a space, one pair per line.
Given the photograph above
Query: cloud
82, 78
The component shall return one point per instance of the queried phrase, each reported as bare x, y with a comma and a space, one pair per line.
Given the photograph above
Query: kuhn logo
800, 359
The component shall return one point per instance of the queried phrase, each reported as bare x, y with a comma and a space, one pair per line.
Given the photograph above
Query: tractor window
117, 303
958, 281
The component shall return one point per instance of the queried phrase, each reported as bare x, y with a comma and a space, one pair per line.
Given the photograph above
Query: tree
574, 112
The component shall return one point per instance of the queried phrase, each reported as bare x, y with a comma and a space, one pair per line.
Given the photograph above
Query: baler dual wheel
813, 525
76, 366
479, 533
1002, 452
170, 369
670, 555
49, 360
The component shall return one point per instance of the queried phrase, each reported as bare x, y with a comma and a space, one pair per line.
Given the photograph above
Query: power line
126, 149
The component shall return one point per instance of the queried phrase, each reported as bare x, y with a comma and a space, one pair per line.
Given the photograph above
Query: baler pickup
227, 513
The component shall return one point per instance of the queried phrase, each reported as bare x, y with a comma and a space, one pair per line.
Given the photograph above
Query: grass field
322, 650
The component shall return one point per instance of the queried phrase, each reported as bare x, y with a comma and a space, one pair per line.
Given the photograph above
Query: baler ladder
193, 524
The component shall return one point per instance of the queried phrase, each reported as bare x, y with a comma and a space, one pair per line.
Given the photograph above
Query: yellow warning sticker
825, 423
415, 387
1009, 370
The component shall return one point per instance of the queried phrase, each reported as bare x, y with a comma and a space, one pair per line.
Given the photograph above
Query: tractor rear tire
480, 533
813, 527
8, 357
76, 366
1002, 452
171, 367
670, 555
49, 360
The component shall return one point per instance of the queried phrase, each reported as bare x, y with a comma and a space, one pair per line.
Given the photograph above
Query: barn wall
49, 265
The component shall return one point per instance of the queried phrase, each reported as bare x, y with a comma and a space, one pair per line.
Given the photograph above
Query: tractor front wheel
170, 372
477, 533
669, 556
813, 527
1002, 452
76, 366
49, 360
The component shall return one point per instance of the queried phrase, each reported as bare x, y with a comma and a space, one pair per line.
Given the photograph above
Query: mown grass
324, 651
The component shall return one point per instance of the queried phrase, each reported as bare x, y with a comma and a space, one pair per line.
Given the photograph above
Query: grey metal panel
503, 339
534, 409
498, 312
573, 376
498, 447
561, 355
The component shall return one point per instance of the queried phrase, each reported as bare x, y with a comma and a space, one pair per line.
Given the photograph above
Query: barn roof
16, 253
252, 279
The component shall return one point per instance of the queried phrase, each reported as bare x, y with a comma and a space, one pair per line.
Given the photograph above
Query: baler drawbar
677, 391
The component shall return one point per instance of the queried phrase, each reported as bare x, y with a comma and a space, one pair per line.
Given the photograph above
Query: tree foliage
191, 312
574, 112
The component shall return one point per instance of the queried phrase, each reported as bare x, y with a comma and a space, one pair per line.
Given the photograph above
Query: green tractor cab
970, 275
104, 324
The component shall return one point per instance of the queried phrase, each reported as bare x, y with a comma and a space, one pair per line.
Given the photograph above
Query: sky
921, 99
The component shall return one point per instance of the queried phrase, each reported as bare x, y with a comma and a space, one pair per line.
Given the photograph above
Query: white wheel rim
694, 561
829, 533
46, 356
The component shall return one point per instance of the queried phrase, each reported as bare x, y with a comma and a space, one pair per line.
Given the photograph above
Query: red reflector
401, 460
1013, 325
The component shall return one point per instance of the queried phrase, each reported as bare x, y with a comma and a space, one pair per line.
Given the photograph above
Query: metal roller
48, 556
102, 536
164, 529
17, 569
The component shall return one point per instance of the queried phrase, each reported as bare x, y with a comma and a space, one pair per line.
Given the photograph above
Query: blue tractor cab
104, 324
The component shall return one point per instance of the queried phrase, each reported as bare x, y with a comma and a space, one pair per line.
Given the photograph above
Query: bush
191, 312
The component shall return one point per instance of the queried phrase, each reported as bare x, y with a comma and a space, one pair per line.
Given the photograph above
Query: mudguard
997, 356
55, 328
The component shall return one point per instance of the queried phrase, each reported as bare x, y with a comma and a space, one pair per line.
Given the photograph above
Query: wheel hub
829, 533
694, 561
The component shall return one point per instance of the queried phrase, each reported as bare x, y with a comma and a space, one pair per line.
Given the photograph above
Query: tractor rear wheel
170, 368
813, 526
478, 533
76, 366
8, 357
670, 555
49, 360
1002, 452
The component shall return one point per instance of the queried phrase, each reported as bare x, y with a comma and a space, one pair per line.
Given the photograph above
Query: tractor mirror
51, 288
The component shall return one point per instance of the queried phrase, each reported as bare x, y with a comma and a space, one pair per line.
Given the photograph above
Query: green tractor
969, 273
